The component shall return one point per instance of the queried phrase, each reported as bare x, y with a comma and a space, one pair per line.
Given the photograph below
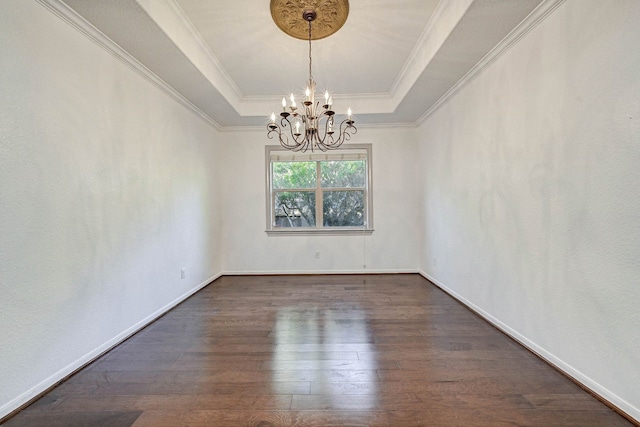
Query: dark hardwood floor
354, 350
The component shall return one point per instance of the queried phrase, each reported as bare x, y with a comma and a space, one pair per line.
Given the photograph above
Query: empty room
319, 213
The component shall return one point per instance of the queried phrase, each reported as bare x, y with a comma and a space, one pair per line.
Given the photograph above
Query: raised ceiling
392, 62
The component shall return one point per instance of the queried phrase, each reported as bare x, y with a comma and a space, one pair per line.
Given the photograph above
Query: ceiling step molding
175, 24
538, 15
71, 17
442, 23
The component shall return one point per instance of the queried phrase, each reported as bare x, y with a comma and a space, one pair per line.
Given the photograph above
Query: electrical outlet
183, 273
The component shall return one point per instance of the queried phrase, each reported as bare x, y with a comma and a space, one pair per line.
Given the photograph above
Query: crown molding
442, 23
193, 46
410, 63
68, 15
538, 15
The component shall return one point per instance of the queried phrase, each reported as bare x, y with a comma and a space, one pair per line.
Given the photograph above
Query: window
326, 192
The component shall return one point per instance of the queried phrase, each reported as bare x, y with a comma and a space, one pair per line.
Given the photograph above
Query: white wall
393, 246
107, 190
531, 194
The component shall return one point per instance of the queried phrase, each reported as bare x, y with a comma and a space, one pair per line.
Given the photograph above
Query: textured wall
391, 247
530, 193
106, 191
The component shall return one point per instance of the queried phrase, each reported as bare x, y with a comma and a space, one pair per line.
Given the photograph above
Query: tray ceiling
391, 61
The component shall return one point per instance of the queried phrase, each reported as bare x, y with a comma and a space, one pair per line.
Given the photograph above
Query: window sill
319, 232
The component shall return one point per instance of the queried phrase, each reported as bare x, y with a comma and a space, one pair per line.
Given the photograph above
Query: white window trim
272, 151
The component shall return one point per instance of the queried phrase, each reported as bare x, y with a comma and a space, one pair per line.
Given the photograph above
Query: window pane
294, 174
343, 173
343, 208
295, 209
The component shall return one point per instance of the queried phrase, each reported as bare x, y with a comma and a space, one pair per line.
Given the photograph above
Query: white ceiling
391, 62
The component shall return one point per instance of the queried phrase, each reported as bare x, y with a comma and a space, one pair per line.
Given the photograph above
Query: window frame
272, 151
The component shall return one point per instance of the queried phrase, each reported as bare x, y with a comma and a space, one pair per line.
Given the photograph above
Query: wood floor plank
76, 419
356, 350
207, 418
176, 402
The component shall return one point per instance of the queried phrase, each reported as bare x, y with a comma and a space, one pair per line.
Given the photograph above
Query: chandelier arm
320, 137
298, 139
326, 134
317, 141
272, 128
345, 132
283, 138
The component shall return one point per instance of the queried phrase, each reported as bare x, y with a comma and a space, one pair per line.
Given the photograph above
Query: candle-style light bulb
349, 113
293, 101
284, 104
273, 117
307, 93
326, 97
297, 127
330, 101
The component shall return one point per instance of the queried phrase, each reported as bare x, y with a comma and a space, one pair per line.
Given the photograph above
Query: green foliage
343, 208
343, 173
294, 175
296, 208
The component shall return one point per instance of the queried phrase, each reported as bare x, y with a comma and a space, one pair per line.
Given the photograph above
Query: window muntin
329, 192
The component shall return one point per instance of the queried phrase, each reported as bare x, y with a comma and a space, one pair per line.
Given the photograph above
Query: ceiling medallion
331, 16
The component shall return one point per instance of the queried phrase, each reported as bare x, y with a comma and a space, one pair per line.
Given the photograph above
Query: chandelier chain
310, 75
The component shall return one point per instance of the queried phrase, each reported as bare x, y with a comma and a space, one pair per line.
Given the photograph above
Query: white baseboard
63, 373
314, 272
586, 382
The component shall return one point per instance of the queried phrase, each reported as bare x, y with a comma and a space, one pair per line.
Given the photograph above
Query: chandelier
313, 126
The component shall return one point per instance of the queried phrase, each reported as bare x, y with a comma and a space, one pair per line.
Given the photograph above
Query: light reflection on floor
316, 345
